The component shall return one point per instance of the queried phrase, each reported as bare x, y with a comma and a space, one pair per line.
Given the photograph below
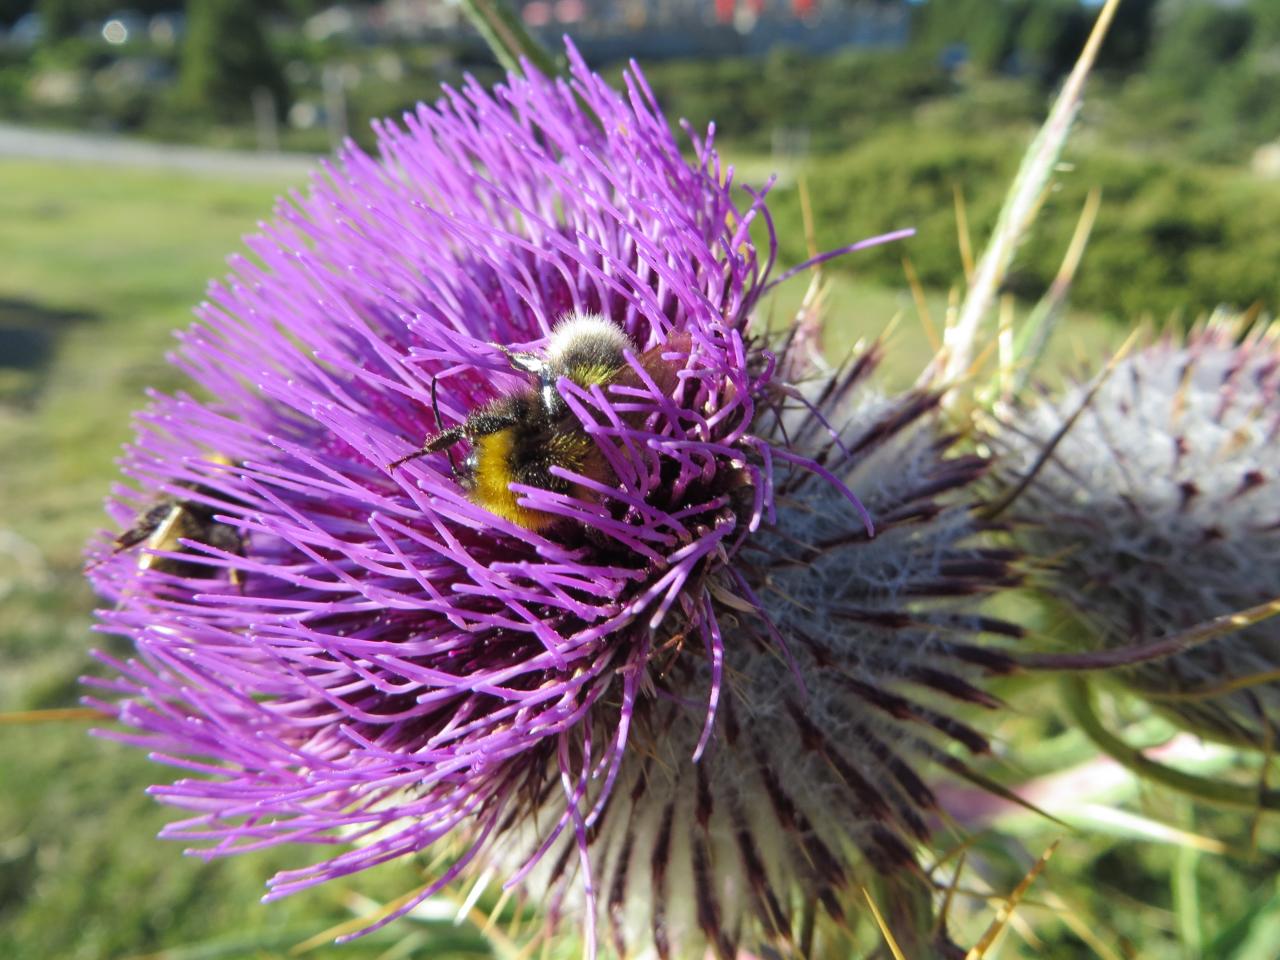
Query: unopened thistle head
1160, 510
498, 530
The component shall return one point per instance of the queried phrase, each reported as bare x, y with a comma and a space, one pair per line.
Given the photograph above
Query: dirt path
38, 144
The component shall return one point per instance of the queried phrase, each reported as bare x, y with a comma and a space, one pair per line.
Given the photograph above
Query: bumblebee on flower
524, 437
527, 513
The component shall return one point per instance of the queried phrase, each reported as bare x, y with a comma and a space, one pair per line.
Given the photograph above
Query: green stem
57, 715
507, 37
1077, 697
1146, 652
1186, 892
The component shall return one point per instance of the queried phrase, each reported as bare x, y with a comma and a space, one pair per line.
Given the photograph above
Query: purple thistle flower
846, 663
347, 653
1158, 511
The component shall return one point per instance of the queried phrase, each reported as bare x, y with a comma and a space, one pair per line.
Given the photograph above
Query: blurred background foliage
1180, 131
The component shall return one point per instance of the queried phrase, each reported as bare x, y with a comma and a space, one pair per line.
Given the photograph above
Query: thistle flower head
847, 659
1160, 509
475, 592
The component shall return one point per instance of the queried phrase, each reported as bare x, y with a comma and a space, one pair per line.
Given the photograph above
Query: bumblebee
519, 437
170, 520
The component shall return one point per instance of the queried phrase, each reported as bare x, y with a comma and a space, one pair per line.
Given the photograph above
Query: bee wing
145, 526
164, 536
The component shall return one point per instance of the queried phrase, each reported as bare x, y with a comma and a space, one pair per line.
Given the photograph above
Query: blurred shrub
1170, 237
226, 57
835, 100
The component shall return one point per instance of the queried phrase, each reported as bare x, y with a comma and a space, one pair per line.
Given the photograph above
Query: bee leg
231, 539
440, 441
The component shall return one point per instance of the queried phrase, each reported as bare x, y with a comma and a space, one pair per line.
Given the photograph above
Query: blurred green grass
126, 253
99, 267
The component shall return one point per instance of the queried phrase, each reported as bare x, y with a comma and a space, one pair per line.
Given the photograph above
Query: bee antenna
435, 410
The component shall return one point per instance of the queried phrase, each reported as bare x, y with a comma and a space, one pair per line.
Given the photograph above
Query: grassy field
98, 268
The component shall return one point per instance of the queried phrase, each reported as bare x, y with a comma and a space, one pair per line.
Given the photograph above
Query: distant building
656, 29
417, 18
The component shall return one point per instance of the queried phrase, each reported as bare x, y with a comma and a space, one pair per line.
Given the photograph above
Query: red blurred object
537, 14
570, 11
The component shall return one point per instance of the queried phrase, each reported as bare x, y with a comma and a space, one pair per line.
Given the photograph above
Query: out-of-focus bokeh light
114, 31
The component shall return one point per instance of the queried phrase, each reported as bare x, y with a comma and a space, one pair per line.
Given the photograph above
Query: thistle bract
1160, 509
847, 660
375, 658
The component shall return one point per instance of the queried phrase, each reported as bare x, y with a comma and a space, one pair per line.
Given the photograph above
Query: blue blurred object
28, 30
